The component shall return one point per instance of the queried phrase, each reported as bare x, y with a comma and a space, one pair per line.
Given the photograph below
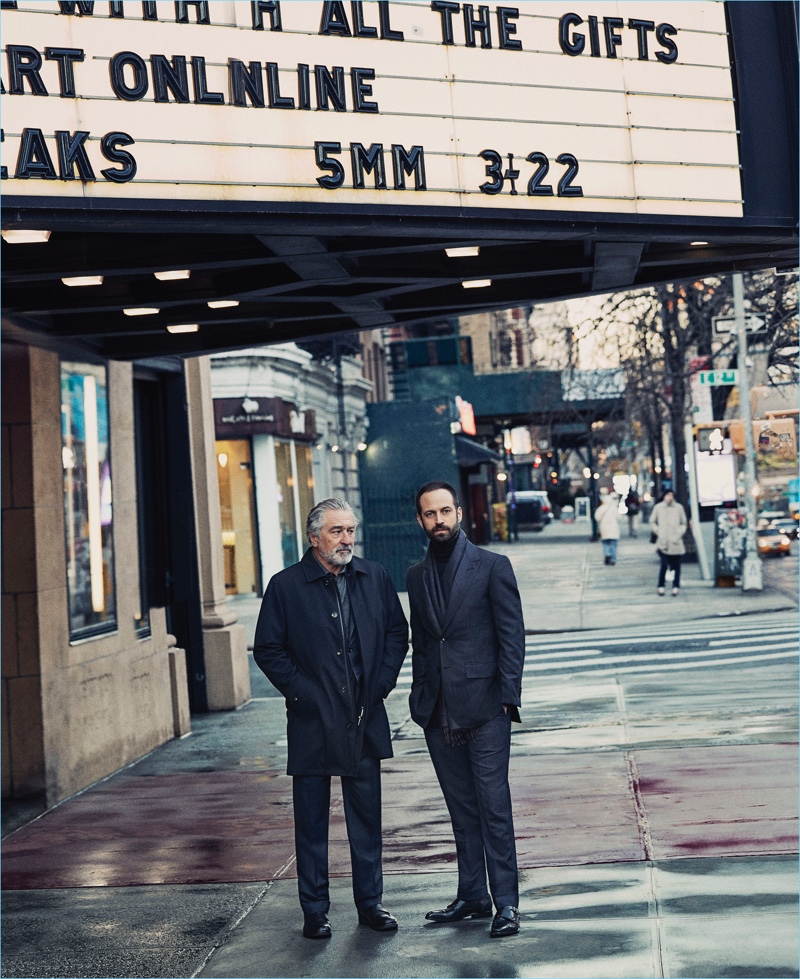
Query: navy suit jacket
478, 651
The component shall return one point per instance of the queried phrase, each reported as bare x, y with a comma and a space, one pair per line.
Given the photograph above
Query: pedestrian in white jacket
668, 522
607, 517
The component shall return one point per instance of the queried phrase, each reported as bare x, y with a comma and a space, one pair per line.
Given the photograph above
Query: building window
87, 500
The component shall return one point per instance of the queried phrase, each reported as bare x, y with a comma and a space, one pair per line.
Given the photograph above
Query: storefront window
87, 499
237, 509
305, 479
284, 472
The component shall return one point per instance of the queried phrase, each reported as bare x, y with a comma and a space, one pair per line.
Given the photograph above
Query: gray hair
316, 515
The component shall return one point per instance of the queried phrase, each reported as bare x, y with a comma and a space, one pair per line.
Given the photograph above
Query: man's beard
439, 538
338, 557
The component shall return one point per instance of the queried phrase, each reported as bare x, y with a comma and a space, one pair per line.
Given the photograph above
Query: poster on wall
620, 108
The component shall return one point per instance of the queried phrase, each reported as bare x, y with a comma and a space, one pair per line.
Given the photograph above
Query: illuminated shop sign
619, 107
238, 418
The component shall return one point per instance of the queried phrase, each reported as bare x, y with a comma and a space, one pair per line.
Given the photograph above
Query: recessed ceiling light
183, 328
222, 303
172, 274
141, 311
476, 283
83, 280
698, 242
463, 251
23, 236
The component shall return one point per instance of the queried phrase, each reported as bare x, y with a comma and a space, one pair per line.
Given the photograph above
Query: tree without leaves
659, 330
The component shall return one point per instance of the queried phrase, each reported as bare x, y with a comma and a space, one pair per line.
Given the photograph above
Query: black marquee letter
641, 27
505, 30
245, 82
575, 46
66, 77
140, 84
446, 9
334, 19
34, 159
170, 75
270, 7
201, 11
71, 151
325, 162
202, 96
359, 78
670, 56
368, 161
408, 162
110, 147
24, 62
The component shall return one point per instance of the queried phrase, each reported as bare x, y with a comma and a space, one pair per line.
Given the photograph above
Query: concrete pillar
224, 639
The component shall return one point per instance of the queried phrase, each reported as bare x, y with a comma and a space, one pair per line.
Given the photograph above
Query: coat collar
313, 569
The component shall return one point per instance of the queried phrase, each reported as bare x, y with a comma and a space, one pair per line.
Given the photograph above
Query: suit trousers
362, 812
474, 781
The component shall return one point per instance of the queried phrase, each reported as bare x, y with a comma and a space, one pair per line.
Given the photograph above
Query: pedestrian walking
331, 636
668, 523
468, 650
633, 506
607, 517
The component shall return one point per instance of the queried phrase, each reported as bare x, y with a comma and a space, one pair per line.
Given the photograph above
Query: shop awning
469, 453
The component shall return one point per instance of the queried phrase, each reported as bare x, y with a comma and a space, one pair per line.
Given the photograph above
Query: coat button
338, 652
349, 726
442, 639
344, 689
334, 615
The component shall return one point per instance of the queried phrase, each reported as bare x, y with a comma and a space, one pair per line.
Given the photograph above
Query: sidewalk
655, 818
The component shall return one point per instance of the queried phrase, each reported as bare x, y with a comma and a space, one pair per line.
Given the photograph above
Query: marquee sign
557, 106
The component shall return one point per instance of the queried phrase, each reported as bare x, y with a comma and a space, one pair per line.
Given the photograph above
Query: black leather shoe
378, 918
316, 925
506, 922
459, 910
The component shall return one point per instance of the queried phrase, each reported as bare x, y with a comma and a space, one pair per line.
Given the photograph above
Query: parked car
766, 517
772, 540
786, 525
544, 499
528, 510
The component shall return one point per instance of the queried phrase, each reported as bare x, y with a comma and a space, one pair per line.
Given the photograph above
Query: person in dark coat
331, 636
468, 651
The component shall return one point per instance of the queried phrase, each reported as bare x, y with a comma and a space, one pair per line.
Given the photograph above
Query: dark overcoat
299, 645
478, 652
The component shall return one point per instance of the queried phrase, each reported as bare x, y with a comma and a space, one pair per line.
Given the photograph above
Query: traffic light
713, 438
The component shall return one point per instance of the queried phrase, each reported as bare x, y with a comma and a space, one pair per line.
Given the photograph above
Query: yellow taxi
772, 540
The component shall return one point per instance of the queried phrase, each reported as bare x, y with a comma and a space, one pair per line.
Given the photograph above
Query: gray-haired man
331, 636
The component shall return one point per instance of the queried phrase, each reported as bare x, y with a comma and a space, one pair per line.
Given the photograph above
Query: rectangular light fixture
141, 311
476, 283
463, 251
183, 328
172, 274
222, 303
697, 243
83, 280
24, 236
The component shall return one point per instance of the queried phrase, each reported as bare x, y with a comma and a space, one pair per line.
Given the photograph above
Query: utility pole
752, 578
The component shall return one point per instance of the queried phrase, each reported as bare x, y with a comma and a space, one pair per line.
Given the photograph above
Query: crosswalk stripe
590, 653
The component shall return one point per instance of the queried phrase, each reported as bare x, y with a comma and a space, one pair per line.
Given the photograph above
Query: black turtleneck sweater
442, 552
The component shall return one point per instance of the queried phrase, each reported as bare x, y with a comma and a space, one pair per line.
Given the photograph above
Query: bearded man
468, 651
331, 636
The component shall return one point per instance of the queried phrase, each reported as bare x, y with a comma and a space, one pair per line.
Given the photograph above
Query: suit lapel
427, 569
462, 582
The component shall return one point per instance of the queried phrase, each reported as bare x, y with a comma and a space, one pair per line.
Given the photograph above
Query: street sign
718, 378
727, 324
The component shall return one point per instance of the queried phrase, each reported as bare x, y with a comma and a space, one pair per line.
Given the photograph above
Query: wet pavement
655, 812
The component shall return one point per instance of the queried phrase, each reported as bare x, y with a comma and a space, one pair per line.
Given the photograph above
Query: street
654, 780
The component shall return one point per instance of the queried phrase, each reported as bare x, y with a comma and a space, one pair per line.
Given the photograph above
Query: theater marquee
541, 107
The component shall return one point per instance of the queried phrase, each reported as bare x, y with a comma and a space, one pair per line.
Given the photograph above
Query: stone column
224, 639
